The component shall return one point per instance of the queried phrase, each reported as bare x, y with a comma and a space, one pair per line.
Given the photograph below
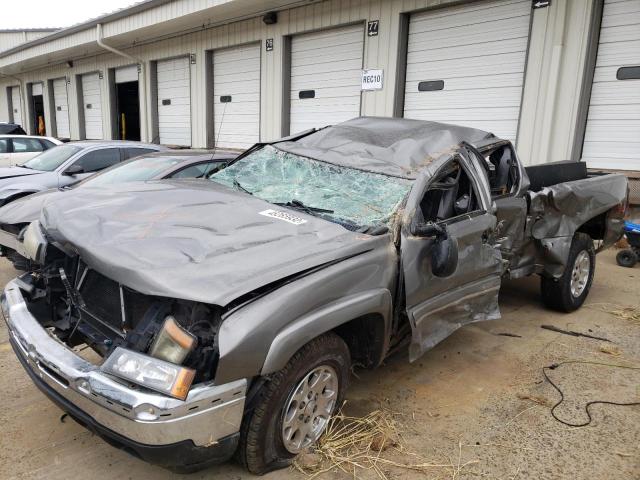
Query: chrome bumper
209, 413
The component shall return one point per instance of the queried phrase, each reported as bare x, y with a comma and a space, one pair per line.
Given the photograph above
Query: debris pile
353, 444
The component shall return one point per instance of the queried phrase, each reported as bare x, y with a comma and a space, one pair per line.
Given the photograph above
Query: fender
322, 320
8, 195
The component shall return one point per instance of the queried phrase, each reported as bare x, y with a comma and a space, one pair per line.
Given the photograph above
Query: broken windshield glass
346, 195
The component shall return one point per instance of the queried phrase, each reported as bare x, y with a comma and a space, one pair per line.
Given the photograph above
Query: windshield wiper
237, 184
297, 204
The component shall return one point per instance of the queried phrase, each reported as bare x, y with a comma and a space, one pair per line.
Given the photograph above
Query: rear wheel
292, 409
569, 292
626, 258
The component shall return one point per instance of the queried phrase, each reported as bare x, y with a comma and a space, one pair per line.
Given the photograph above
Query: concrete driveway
477, 402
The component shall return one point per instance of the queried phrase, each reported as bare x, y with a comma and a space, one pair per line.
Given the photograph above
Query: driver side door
437, 305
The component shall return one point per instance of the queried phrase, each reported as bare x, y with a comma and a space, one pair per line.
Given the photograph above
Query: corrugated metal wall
556, 45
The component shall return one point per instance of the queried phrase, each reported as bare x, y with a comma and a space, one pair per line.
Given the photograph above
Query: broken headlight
172, 343
150, 372
35, 243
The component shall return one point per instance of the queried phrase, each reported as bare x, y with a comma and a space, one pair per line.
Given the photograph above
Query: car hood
193, 239
12, 172
27, 209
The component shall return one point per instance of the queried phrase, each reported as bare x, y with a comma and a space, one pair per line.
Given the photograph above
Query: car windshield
51, 159
348, 196
137, 169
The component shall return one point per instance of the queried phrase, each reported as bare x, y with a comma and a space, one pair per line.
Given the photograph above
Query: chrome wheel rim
580, 273
308, 408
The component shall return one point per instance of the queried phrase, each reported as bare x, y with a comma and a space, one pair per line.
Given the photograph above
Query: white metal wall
16, 105
612, 135
327, 66
61, 107
551, 97
92, 106
236, 96
473, 57
174, 102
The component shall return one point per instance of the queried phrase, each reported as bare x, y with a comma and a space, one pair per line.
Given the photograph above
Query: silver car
65, 165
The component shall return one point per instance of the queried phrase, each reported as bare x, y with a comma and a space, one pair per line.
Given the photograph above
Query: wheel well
595, 227
365, 338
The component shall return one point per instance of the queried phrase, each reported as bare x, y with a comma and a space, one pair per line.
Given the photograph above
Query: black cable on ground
586, 408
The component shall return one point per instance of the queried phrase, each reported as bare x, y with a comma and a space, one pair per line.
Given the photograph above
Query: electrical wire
554, 366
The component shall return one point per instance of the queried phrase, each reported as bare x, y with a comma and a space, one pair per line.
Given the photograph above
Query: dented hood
192, 239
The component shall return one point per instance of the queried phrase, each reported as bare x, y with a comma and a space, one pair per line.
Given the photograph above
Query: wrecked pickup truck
224, 316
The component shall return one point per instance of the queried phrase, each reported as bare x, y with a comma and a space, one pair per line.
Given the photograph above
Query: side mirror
444, 251
73, 170
444, 256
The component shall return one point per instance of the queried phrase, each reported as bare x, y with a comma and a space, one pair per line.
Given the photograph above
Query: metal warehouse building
561, 77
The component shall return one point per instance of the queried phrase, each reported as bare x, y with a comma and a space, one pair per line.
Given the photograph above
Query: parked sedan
66, 164
152, 166
17, 149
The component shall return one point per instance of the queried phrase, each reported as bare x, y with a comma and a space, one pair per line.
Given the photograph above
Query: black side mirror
73, 170
444, 251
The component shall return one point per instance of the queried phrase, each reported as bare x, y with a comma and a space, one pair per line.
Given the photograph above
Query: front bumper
124, 414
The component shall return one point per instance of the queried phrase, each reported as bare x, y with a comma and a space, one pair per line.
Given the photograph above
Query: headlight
35, 243
172, 343
150, 372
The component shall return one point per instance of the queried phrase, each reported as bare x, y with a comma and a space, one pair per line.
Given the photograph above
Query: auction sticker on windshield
287, 217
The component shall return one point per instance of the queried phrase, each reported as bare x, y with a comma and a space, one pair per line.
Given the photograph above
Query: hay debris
539, 399
610, 350
628, 312
353, 444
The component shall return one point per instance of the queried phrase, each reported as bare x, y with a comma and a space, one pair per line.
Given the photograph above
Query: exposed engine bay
80, 306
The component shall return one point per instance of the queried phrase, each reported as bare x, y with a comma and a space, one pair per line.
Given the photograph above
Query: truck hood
12, 172
193, 239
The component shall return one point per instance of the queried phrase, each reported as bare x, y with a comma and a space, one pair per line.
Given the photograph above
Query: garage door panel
482, 64
236, 74
481, 13
612, 133
312, 42
174, 86
16, 105
330, 63
506, 29
61, 107
92, 106
471, 51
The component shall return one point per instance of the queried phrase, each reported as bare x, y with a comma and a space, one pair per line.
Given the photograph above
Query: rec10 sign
372, 79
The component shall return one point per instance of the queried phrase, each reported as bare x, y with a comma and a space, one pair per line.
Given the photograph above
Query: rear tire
569, 292
263, 446
626, 258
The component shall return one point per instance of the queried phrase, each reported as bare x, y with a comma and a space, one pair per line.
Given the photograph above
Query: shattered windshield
348, 196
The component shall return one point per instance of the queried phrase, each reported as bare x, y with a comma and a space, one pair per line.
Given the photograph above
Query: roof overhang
139, 24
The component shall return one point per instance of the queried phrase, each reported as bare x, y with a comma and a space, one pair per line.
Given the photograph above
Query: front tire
569, 292
292, 408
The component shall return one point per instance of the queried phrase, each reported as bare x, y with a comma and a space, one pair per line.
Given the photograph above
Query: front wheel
292, 409
569, 292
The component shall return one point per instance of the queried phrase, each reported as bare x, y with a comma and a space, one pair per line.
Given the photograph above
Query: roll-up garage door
465, 65
127, 74
36, 89
236, 96
61, 107
92, 106
326, 71
16, 106
174, 102
612, 136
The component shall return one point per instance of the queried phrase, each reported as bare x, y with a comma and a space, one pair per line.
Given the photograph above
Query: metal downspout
143, 77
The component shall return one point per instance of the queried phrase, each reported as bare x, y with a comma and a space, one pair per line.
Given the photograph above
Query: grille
102, 297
